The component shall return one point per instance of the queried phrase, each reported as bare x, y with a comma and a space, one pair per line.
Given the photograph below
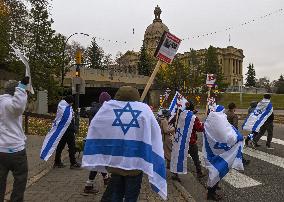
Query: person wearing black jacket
69, 138
267, 126
89, 186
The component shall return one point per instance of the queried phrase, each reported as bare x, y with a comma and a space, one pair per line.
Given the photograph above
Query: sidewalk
47, 184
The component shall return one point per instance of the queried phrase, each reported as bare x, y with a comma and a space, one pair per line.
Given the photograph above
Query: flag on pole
178, 102
28, 71
222, 146
258, 117
181, 142
63, 119
127, 135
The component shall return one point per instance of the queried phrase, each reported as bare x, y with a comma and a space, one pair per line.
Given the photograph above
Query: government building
230, 58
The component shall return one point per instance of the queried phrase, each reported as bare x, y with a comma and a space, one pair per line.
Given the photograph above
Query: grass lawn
226, 98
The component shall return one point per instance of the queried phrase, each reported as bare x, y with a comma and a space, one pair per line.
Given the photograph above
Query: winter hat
104, 97
127, 93
10, 86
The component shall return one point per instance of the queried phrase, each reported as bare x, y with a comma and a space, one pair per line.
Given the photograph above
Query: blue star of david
126, 126
179, 134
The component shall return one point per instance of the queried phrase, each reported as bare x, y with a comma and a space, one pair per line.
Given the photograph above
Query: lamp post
63, 57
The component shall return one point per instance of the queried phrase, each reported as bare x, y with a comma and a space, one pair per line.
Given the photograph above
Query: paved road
262, 179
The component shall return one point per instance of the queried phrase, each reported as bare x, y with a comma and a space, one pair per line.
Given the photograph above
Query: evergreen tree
280, 85
212, 66
145, 63
44, 54
250, 80
95, 55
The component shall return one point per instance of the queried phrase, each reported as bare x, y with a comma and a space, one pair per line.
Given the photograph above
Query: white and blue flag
181, 142
178, 102
63, 119
126, 135
222, 146
258, 117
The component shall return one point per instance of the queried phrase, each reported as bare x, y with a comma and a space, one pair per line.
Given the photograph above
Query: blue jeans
127, 187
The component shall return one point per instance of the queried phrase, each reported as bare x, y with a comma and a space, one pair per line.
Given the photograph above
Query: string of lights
229, 28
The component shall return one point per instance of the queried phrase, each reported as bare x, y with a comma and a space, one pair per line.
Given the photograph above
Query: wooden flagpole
208, 95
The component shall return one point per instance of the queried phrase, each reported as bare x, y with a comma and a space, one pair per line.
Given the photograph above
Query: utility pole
78, 87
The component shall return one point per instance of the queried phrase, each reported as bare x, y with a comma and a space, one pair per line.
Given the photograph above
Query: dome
154, 32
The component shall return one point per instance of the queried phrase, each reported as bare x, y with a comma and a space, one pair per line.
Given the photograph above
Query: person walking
69, 139
267, 126
89, 186
167, 134
233, 119
12, 139
193, 147
251, 108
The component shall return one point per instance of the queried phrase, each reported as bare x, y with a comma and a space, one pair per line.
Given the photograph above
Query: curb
186, 195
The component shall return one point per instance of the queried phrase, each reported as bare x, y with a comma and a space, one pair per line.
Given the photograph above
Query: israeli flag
222, 146
126, 135
178, 102
63, 119
181, 142
258, 117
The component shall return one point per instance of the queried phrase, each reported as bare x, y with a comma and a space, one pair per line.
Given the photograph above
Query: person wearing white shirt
12, 139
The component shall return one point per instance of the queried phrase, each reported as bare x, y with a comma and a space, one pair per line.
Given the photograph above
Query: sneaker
75, 166
246, 162
269, 147
58, 165
214, 197
254, 144
90, 190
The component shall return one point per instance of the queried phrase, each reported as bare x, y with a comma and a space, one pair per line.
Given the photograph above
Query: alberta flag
258, 117
178, 102
222, 146
126, 135
63, 119
181, 142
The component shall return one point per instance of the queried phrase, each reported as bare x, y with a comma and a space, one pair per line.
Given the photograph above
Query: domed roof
157, 28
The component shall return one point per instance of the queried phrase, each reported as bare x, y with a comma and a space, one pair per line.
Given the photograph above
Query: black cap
267, 96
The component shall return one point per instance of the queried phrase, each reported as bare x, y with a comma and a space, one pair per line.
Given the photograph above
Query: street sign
78, 81
167, 47
210, 80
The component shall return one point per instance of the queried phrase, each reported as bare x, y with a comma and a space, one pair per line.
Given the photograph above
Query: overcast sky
262, 41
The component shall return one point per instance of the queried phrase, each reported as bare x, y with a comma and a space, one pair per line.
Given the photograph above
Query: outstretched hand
25, 80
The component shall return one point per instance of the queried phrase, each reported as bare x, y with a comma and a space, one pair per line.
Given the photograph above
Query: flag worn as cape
63, 119
178, 102
222, 146
258, 117
28, 71
126, 135
181, 142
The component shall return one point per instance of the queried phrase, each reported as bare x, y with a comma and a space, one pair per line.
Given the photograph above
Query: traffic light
161, 100
78, 57
77, 74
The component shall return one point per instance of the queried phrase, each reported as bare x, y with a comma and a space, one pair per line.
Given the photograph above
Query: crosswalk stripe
274, 140
269, 158
235, 178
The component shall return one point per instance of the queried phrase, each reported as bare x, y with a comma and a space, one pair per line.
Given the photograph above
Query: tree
212, 66
280, 85
195, 75
250, 80
145, 63
44, 50
95, 55
172, 76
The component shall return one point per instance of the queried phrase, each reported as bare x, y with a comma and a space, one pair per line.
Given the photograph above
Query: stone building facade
230, 58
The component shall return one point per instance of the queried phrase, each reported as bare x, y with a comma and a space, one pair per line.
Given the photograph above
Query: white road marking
269, 158
235, 178
274, 140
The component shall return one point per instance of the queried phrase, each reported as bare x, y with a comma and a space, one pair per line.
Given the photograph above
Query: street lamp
63, 56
